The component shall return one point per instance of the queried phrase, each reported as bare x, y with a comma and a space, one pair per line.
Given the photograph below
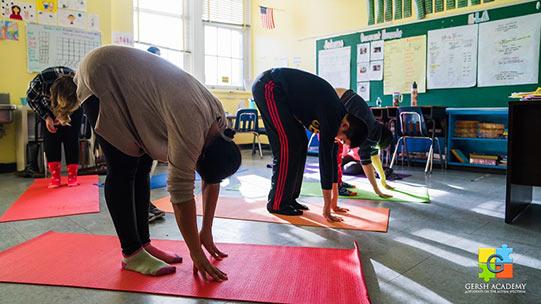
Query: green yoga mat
402, 193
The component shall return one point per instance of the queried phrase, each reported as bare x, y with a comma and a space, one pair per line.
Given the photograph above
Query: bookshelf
489, 146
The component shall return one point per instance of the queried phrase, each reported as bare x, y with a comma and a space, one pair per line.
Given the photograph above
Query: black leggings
127, 189
67, 135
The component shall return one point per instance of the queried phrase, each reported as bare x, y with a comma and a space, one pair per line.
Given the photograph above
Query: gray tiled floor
427, 256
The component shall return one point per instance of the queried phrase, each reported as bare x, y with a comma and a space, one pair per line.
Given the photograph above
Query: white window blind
224, 11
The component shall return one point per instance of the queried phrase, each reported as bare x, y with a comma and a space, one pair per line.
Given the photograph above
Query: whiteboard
53, 46
334, 66
509, 51
452, 57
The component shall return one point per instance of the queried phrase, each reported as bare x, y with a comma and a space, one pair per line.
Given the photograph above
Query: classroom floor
427, 256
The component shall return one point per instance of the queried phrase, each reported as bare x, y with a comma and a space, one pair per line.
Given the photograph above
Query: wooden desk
523, 158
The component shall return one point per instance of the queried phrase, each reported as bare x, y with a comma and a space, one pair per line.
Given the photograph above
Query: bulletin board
475, 96
57, 46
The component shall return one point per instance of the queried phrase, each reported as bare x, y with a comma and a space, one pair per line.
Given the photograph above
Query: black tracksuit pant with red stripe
289, 100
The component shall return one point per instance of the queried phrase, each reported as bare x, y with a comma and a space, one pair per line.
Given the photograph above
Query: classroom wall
300, 23
14, 77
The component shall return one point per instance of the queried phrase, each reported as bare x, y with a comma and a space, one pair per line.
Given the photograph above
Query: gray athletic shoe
154, 213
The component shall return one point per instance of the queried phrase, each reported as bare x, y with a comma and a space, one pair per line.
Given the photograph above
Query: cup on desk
397, 98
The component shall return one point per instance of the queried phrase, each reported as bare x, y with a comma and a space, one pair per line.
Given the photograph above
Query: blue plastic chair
247, 121
412, 125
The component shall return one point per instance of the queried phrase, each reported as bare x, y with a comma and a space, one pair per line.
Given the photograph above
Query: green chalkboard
463, 97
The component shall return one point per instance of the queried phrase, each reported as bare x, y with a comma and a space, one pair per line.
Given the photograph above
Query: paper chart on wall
19, 10
452, 57
376, 70
363, 52
405, 62
334, 66
52, 46
377, 50
71, 18
78, 5
509, 51
363, 71
363, 89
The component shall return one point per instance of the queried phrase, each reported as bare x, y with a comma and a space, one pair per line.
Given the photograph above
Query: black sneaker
346, 185
345, 192
288, 211
299, 206
154, 213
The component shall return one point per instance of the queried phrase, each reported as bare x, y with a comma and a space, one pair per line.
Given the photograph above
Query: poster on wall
121, 38
9, 30
376, 70
71, 18
452, 57
78, 5
363, 89
334, 66
376, 50
509, 51
363, 71
47, 12
405, 62
93, 22
18, 10
363, 52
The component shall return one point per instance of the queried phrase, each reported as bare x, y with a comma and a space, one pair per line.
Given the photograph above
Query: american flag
267, 18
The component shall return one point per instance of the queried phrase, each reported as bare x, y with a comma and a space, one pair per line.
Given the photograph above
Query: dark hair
357, 131
153, 49
386, 138
64, 98
219, 160
13, 9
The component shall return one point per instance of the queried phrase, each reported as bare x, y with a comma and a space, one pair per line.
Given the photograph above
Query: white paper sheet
363, 89
376, 50
363, 52
79, 5
363, 71
71, 18
376, 70
334, 66
93, 22
509, 51
47, 18
452, 57
26, 11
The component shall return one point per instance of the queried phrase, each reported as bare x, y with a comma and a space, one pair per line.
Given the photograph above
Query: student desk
524, 161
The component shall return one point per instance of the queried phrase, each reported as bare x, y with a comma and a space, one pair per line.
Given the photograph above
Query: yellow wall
115, 15
300, 23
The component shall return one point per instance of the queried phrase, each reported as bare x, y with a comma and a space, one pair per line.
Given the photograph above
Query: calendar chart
53, 46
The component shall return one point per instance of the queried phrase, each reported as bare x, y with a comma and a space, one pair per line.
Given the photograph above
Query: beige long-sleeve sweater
148, 105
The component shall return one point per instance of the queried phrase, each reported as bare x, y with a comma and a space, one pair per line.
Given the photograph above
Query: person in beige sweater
143, 108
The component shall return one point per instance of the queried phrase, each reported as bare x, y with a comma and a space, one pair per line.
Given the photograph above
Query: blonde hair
64, 98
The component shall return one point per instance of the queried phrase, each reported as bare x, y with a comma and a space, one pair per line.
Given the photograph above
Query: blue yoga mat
159, 180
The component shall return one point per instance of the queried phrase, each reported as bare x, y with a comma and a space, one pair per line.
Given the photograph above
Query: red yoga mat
258, 273
239, 208
38, 201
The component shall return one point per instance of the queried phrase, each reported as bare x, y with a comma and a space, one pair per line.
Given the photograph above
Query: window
225, 42
151, 17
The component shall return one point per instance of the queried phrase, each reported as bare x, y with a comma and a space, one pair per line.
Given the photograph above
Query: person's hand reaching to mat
202, 264
387, 186
381, 194
208, 241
